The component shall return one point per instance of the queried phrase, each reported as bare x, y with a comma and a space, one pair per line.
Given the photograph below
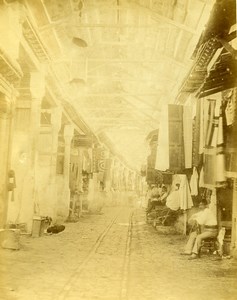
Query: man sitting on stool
208, 229
168, 214
154, 198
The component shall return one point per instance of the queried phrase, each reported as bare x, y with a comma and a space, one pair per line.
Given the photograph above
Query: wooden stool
209, 245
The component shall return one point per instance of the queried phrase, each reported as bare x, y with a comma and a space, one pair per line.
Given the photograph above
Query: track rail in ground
63, 293
124, 281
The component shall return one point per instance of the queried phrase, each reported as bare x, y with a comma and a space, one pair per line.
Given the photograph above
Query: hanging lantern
79, 42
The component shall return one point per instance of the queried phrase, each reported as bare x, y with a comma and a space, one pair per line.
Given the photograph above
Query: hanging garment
167, 177
214, 159
194, 182
176, 142
220, 157
186, 201
201, 179
210, 123
209, 166
231, 134
229, 112
201, 131
162, 157
196, 135
187, 136
229, 96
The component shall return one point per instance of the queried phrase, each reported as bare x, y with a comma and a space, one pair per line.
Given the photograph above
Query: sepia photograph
118, 150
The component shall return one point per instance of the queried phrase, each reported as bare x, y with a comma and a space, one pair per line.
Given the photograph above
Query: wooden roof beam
229, 48
169, 21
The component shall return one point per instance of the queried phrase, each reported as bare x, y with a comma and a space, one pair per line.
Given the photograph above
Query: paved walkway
106, 257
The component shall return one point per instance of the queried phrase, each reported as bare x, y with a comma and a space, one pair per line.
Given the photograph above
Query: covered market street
118, 150
111, 256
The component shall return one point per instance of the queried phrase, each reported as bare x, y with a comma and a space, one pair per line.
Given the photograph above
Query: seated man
172, 205
207, 229
163, 195
154, 196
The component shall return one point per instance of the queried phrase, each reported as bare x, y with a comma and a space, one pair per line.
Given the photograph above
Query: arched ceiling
133, 58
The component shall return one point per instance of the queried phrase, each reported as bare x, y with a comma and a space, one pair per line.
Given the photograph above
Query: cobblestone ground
102, 257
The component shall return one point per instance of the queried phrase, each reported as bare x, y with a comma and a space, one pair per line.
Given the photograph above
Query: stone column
37, 89
63, 198
56, 119
5, 150
68, 135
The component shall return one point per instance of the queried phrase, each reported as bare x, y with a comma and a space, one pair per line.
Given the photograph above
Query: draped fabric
196, 135
209, 153
230, 98
220, 156
154, 176
186, 201
102, 163
174, 149
204, 104
187, 133
214, 160
201, 178
176, 142
209, 168
210, 122
194, 182
201, 131
162, 157
94, 160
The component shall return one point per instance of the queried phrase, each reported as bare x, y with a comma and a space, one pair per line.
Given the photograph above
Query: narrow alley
113, 256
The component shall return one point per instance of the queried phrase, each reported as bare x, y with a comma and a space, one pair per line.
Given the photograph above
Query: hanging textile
194, 182
94, 160
214, 160
186, 201
230, 118
220, 157
162, 157
228, 97
210, 122
201, 178
204, 107
101, 156
201, 131
196, 135
176, 143
167, 177
187, 133
209, 168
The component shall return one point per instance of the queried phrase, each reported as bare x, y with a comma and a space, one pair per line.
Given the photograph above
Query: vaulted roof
119, 60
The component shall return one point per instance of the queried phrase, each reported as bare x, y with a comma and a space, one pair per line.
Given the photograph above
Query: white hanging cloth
194, 182
162, 155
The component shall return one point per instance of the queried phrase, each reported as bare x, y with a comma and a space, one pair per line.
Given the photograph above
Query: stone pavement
103, 257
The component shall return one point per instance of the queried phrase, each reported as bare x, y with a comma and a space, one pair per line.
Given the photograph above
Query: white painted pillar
68, 135
37, 89
56, 119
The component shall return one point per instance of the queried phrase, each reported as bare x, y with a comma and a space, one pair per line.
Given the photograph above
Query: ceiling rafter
132, 65
167, 20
